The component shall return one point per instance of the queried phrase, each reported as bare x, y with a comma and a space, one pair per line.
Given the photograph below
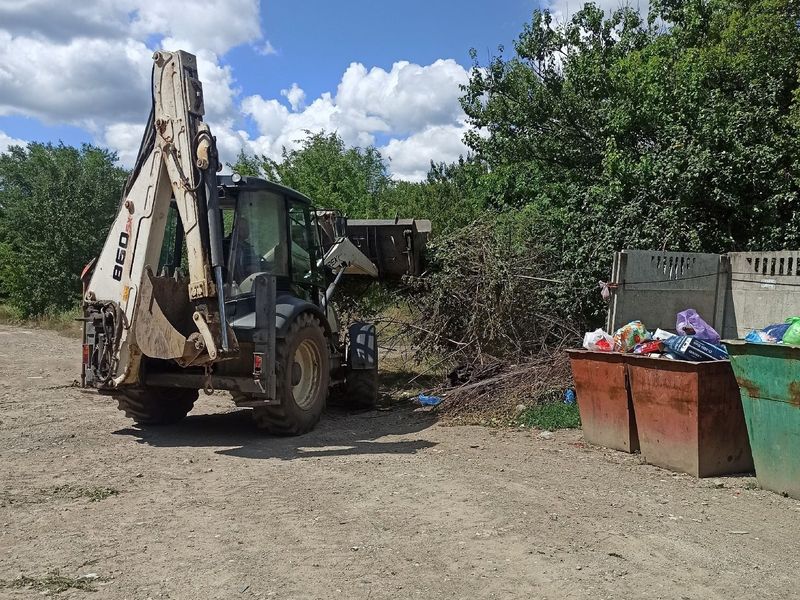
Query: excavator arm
129, 312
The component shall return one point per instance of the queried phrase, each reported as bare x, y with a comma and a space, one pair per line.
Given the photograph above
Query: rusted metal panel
604, 400
769, 381
689, 416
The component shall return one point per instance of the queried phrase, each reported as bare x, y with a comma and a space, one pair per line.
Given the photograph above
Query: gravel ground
370, 505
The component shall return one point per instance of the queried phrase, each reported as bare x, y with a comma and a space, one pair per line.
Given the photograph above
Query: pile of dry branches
490, 296
491, 304
493, 393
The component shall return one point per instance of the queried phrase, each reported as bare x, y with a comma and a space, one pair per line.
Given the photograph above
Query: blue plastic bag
776, 331
757, 337
429, 400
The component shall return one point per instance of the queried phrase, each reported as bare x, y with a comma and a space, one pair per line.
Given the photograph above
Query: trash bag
771, 334
690, 323
758, 337
598, 340
792, 335
776, 331
628, 336
429, 400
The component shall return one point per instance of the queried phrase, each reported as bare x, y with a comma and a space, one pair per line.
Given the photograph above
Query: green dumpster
768, 376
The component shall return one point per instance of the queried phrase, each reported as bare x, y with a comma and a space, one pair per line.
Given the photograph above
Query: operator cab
267, 228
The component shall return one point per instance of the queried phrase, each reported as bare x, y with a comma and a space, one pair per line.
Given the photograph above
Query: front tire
155, 405
361, 388
302, 377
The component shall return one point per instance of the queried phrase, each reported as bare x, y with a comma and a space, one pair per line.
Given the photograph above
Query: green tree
679, 132
355, 181
56, 203
333, 175
247, 165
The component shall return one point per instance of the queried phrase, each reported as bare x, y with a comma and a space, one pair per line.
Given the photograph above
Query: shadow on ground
339, 433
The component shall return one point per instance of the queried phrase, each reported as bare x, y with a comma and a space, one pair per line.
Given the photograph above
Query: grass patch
551, 416
91, 493
61, 321
66, 491
402, 378
52, 583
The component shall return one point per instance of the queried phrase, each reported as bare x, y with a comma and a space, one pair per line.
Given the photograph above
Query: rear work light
258, 364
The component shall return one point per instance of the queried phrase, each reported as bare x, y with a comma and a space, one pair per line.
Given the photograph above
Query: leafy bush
56, 204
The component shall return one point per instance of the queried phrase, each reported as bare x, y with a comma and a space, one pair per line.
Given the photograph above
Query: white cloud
417, 105
61, 22
279, 128
124, 139
410, 158
266, 49
216, 25
408, 97
7, 141
81, 81
296, 97
230, 141
88, 64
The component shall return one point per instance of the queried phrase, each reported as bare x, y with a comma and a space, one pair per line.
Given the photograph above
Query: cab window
257, 243
304, 246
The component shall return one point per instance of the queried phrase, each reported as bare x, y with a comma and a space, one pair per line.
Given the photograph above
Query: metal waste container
769, 382
604, 401
689, 416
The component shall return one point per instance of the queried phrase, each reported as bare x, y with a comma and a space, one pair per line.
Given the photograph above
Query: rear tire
361, 388
302, 377
156, 405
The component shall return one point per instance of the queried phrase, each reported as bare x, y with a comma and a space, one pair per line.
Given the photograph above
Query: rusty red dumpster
689, 416
603, 399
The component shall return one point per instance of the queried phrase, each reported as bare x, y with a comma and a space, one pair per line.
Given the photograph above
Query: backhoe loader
222, 282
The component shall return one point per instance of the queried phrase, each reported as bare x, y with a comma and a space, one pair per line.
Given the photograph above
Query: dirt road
372, 505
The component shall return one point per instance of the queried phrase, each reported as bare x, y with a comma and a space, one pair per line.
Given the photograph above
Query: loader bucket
395, 246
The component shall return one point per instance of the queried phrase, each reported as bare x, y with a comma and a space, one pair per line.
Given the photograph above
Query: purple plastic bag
690, 323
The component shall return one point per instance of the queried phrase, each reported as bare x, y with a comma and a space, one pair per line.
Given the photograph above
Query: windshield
257, 243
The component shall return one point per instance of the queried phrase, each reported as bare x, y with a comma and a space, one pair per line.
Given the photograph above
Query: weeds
66, 491
52, 583
91, 493
552, 416
61, 321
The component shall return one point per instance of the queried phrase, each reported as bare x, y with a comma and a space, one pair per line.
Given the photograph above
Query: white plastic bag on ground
598, 340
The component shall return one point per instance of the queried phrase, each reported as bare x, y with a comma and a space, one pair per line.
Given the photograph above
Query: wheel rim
308, 358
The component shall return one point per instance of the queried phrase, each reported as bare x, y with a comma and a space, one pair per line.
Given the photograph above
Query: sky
383, 73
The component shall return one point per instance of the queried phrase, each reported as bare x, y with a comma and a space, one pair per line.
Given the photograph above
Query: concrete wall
654, 286
764, 289
735, 292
